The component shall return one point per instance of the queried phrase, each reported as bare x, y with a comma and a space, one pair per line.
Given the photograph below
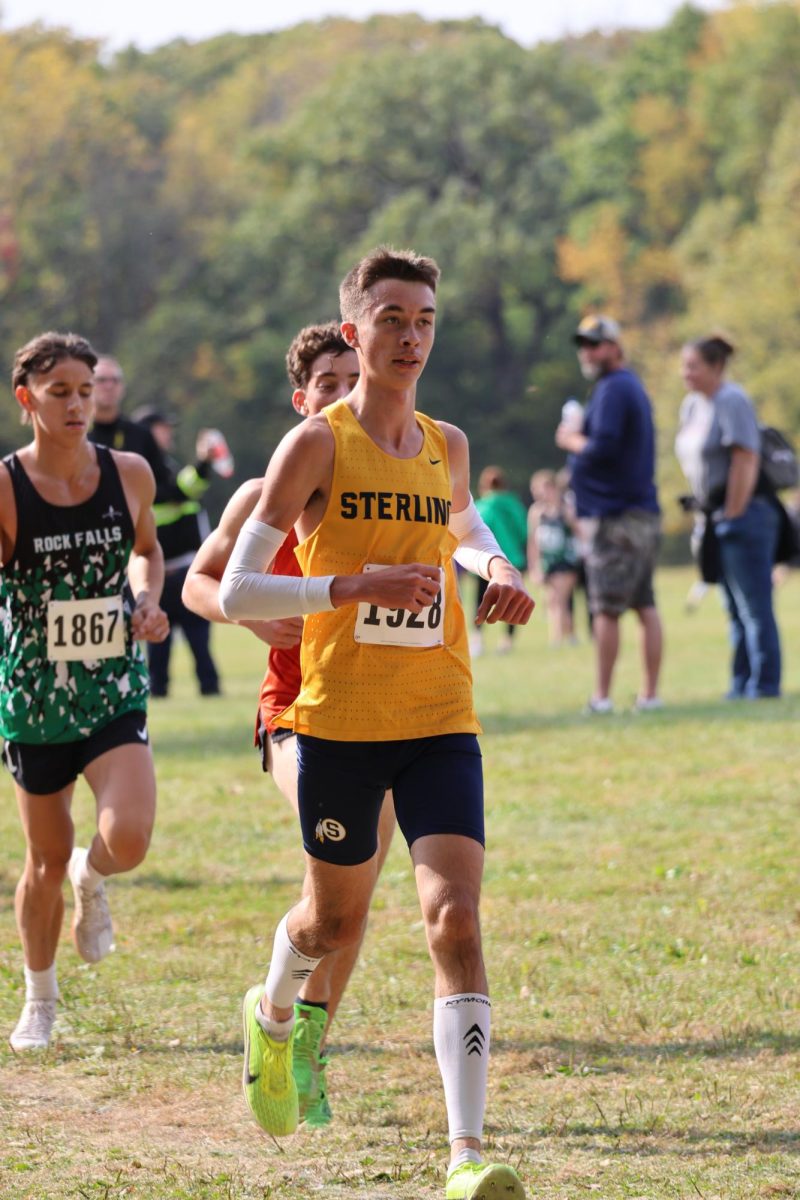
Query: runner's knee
453, 925
337, 930
126, 841
48, 867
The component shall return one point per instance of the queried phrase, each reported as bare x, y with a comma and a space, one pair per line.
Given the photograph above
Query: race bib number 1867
85, 629
378, 626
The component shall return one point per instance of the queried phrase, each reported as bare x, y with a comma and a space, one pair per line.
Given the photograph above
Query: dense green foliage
190, 207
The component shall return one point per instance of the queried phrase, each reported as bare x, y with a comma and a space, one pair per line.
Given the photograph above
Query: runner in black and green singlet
80, 580
65, 554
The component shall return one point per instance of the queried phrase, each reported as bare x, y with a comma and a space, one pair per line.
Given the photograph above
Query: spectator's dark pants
197, 632
747, 553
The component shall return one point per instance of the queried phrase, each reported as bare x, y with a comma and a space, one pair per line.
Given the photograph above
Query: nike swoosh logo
247, 1077
142, 733
434, 461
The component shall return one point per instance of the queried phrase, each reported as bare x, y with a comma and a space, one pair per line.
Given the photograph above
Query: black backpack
779, 465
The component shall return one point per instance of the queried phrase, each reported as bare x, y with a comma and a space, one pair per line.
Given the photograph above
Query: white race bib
85, 629
377, 626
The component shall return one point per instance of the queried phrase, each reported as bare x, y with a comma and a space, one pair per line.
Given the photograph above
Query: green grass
641, 926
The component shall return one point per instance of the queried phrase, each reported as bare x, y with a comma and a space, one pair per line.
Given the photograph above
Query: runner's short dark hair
40, 355
383, 263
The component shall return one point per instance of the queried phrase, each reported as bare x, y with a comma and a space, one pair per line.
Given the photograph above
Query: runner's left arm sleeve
246, 593
477, 545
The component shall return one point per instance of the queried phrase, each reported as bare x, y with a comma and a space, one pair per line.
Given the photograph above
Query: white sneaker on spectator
34, 1026
648, 704
600, 707
92, 931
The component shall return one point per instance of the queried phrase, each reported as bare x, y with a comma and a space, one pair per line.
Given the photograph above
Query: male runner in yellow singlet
380, 498
322, 369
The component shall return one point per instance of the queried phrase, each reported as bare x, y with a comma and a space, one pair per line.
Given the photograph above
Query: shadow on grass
69, 1052
180, 883
783, 711
743, 1045
576, 1058
648, 1140
598, 1057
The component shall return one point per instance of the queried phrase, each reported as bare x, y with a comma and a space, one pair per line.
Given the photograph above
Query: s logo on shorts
330, 829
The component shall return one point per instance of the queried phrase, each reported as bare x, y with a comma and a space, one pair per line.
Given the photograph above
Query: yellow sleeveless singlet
386, 511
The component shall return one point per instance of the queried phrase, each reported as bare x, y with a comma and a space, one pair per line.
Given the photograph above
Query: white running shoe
599, 707
92, 931
34, 1026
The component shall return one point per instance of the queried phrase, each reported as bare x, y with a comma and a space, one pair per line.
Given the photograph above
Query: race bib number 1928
378, 626
85, 629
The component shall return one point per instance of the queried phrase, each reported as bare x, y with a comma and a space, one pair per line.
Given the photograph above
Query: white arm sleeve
246, 593
477, 545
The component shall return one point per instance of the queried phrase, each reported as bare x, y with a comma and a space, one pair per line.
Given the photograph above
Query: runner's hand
283, 634
149, 623
412, 586
505, 599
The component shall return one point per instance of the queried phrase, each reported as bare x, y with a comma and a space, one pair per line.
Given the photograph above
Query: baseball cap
597, 329
149, 415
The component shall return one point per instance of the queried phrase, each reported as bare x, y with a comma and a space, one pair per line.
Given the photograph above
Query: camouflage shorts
620, 560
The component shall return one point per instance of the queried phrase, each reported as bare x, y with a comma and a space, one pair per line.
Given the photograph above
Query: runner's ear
24, 401
350, 334
299, 402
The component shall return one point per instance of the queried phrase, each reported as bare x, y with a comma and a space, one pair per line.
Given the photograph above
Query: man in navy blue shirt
612, 462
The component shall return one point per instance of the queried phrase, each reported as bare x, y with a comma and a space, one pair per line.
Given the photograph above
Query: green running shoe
267, 1080
309, 1065
484, 1181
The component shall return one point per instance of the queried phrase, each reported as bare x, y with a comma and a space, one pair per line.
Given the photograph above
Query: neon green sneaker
309, 1065
267, 1081
484, 1181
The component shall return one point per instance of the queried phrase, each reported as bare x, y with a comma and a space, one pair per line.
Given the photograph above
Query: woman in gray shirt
719, 449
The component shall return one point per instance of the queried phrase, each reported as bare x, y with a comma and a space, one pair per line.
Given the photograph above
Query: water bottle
221, 457
572, 414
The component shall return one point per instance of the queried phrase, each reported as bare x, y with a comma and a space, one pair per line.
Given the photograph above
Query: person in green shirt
507, 517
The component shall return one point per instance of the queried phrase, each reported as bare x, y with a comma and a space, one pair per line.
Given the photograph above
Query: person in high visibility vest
181, 525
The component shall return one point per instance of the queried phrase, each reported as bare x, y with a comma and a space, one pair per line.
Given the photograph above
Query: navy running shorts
437, 783
42, 769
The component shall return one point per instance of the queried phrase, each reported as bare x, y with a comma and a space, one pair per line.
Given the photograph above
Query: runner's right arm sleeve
246, 593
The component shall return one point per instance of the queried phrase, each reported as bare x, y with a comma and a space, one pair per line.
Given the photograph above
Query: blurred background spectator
507, 517
182, 525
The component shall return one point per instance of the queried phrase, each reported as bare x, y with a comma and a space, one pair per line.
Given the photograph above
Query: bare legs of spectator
606, 637
652, 649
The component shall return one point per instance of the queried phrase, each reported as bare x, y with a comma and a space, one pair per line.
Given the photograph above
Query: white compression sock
41, 985
464, 1156
288, 970
89, 879
461, 1034
279, 1031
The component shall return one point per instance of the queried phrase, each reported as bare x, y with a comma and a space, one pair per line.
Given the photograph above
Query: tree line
188, 208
